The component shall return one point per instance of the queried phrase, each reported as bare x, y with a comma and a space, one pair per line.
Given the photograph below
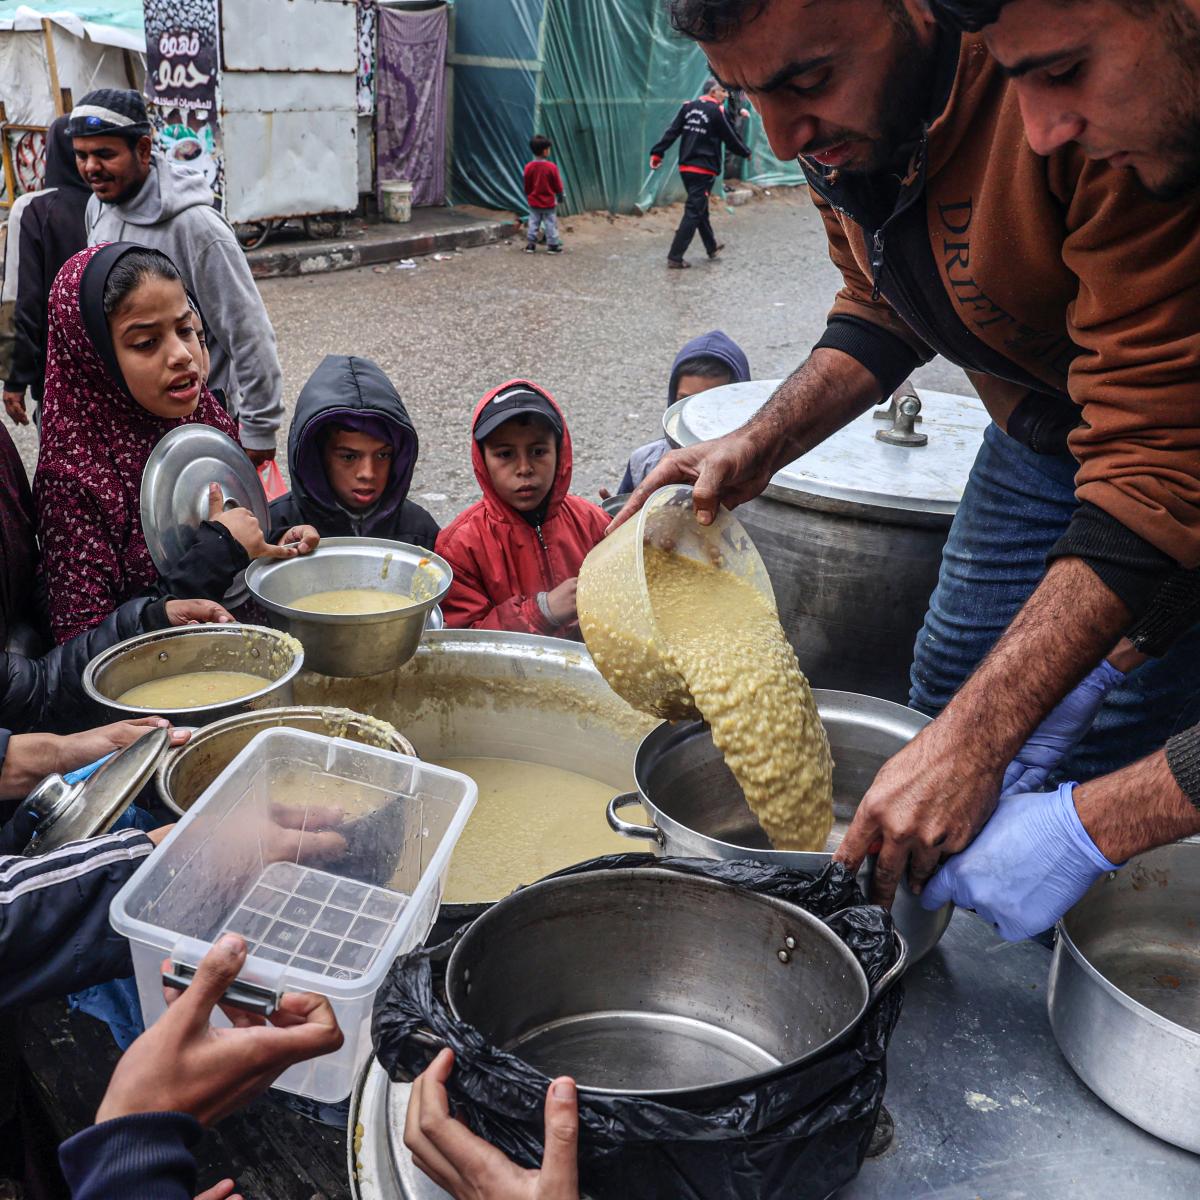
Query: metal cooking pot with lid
1124, 993
697, 808
852, 532
650, 983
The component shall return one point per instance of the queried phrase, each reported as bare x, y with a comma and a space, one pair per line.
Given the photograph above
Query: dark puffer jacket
354, 393
45, 695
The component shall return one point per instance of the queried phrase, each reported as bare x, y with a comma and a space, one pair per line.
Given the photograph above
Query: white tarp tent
88, 53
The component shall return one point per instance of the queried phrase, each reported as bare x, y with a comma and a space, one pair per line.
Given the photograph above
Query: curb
310, 258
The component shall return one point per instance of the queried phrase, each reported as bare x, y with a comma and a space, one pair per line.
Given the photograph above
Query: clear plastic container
327, 856
616, 609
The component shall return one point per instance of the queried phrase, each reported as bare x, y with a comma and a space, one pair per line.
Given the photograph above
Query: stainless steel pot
150, 656
698, 810
1124, 993
352, 645
646, 982
852, 533
185, 772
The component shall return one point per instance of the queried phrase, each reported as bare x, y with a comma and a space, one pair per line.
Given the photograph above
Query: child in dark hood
711, 360
352, 449
516, 553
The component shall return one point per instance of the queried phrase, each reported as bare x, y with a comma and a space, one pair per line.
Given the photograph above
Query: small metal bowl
184, 773
158, 655
353, 646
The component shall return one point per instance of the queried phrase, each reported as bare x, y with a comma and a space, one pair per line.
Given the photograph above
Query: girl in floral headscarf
123, 367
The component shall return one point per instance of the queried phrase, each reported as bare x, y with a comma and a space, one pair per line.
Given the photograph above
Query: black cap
109, 111
514, 402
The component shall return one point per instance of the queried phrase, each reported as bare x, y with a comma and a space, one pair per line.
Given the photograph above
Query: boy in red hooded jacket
516, 553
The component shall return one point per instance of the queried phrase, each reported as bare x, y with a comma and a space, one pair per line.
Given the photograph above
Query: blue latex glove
1052, 740
1030, 863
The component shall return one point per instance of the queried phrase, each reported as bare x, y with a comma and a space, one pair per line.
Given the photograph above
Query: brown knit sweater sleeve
1137, 319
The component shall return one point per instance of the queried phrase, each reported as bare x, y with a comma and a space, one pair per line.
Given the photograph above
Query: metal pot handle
894, 971
627, 828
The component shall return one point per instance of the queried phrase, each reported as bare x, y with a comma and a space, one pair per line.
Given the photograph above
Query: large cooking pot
184, 772
1124, 994
852, 533
651, 983
253, 649
471, 693
698, 810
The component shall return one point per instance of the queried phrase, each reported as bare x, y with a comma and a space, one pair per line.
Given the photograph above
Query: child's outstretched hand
304, 538
244, 527
561, 602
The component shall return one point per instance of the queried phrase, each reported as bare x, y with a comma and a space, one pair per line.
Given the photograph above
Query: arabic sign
181, 83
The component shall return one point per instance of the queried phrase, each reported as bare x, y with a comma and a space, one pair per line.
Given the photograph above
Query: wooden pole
52, 66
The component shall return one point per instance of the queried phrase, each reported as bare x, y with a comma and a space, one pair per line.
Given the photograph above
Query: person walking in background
703, 132
50, 231
544, 191
139, 197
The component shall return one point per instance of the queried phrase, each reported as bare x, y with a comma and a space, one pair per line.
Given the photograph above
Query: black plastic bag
802, 1134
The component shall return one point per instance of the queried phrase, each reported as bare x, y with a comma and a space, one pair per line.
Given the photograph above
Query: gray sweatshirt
173, 213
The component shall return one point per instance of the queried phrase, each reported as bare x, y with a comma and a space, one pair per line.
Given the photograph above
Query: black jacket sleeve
1124, 561
419, 527
1183, 758
55, 937
29, 316
729, 136
667, 140
208, 568
46, 694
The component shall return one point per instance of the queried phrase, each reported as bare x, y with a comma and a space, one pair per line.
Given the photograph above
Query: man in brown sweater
1065, 291
1071, 63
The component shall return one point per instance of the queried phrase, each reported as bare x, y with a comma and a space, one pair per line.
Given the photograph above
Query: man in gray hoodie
138, 197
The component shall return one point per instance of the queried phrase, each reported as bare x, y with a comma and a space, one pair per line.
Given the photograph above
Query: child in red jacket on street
516, 553
544, 192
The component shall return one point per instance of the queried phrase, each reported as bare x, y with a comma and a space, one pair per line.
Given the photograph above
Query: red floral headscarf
95, 442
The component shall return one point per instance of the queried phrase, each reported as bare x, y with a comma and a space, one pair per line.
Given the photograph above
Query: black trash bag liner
799, 1135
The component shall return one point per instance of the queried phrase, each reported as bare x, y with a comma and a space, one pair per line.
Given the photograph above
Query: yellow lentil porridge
192, 689
359, 602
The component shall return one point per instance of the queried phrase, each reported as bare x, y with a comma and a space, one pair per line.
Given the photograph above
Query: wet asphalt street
598, 326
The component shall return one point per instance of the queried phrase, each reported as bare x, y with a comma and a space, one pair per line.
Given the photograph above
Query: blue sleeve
147, 1156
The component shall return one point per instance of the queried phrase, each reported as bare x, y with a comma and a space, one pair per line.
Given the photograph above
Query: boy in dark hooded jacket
352, 449
711, 360
516, 553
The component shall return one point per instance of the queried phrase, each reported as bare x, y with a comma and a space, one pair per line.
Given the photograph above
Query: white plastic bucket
395, 200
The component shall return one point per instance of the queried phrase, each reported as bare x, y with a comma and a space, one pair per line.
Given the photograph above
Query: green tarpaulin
601, 78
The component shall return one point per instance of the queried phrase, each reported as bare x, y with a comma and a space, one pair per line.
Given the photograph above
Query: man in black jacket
352, 449
704, 131
51, 231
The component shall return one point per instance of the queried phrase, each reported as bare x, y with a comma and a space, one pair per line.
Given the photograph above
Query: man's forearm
1136, 809
1064, 629
30, 758
828, 390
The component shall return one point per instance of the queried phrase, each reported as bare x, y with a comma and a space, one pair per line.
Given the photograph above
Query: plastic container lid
326, 855
853, 468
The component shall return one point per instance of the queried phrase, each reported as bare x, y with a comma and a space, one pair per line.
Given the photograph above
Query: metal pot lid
175, 487
854, 467
85, 803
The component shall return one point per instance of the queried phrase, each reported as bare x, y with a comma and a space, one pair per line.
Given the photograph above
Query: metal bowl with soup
195, 674
357, 605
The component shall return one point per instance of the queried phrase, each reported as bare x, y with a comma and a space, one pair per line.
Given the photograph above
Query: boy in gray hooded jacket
137, 196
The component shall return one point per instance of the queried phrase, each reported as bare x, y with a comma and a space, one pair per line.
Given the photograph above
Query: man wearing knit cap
138, 197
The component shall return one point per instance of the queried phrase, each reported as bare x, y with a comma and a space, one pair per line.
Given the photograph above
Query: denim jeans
1015, 506
543, 218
